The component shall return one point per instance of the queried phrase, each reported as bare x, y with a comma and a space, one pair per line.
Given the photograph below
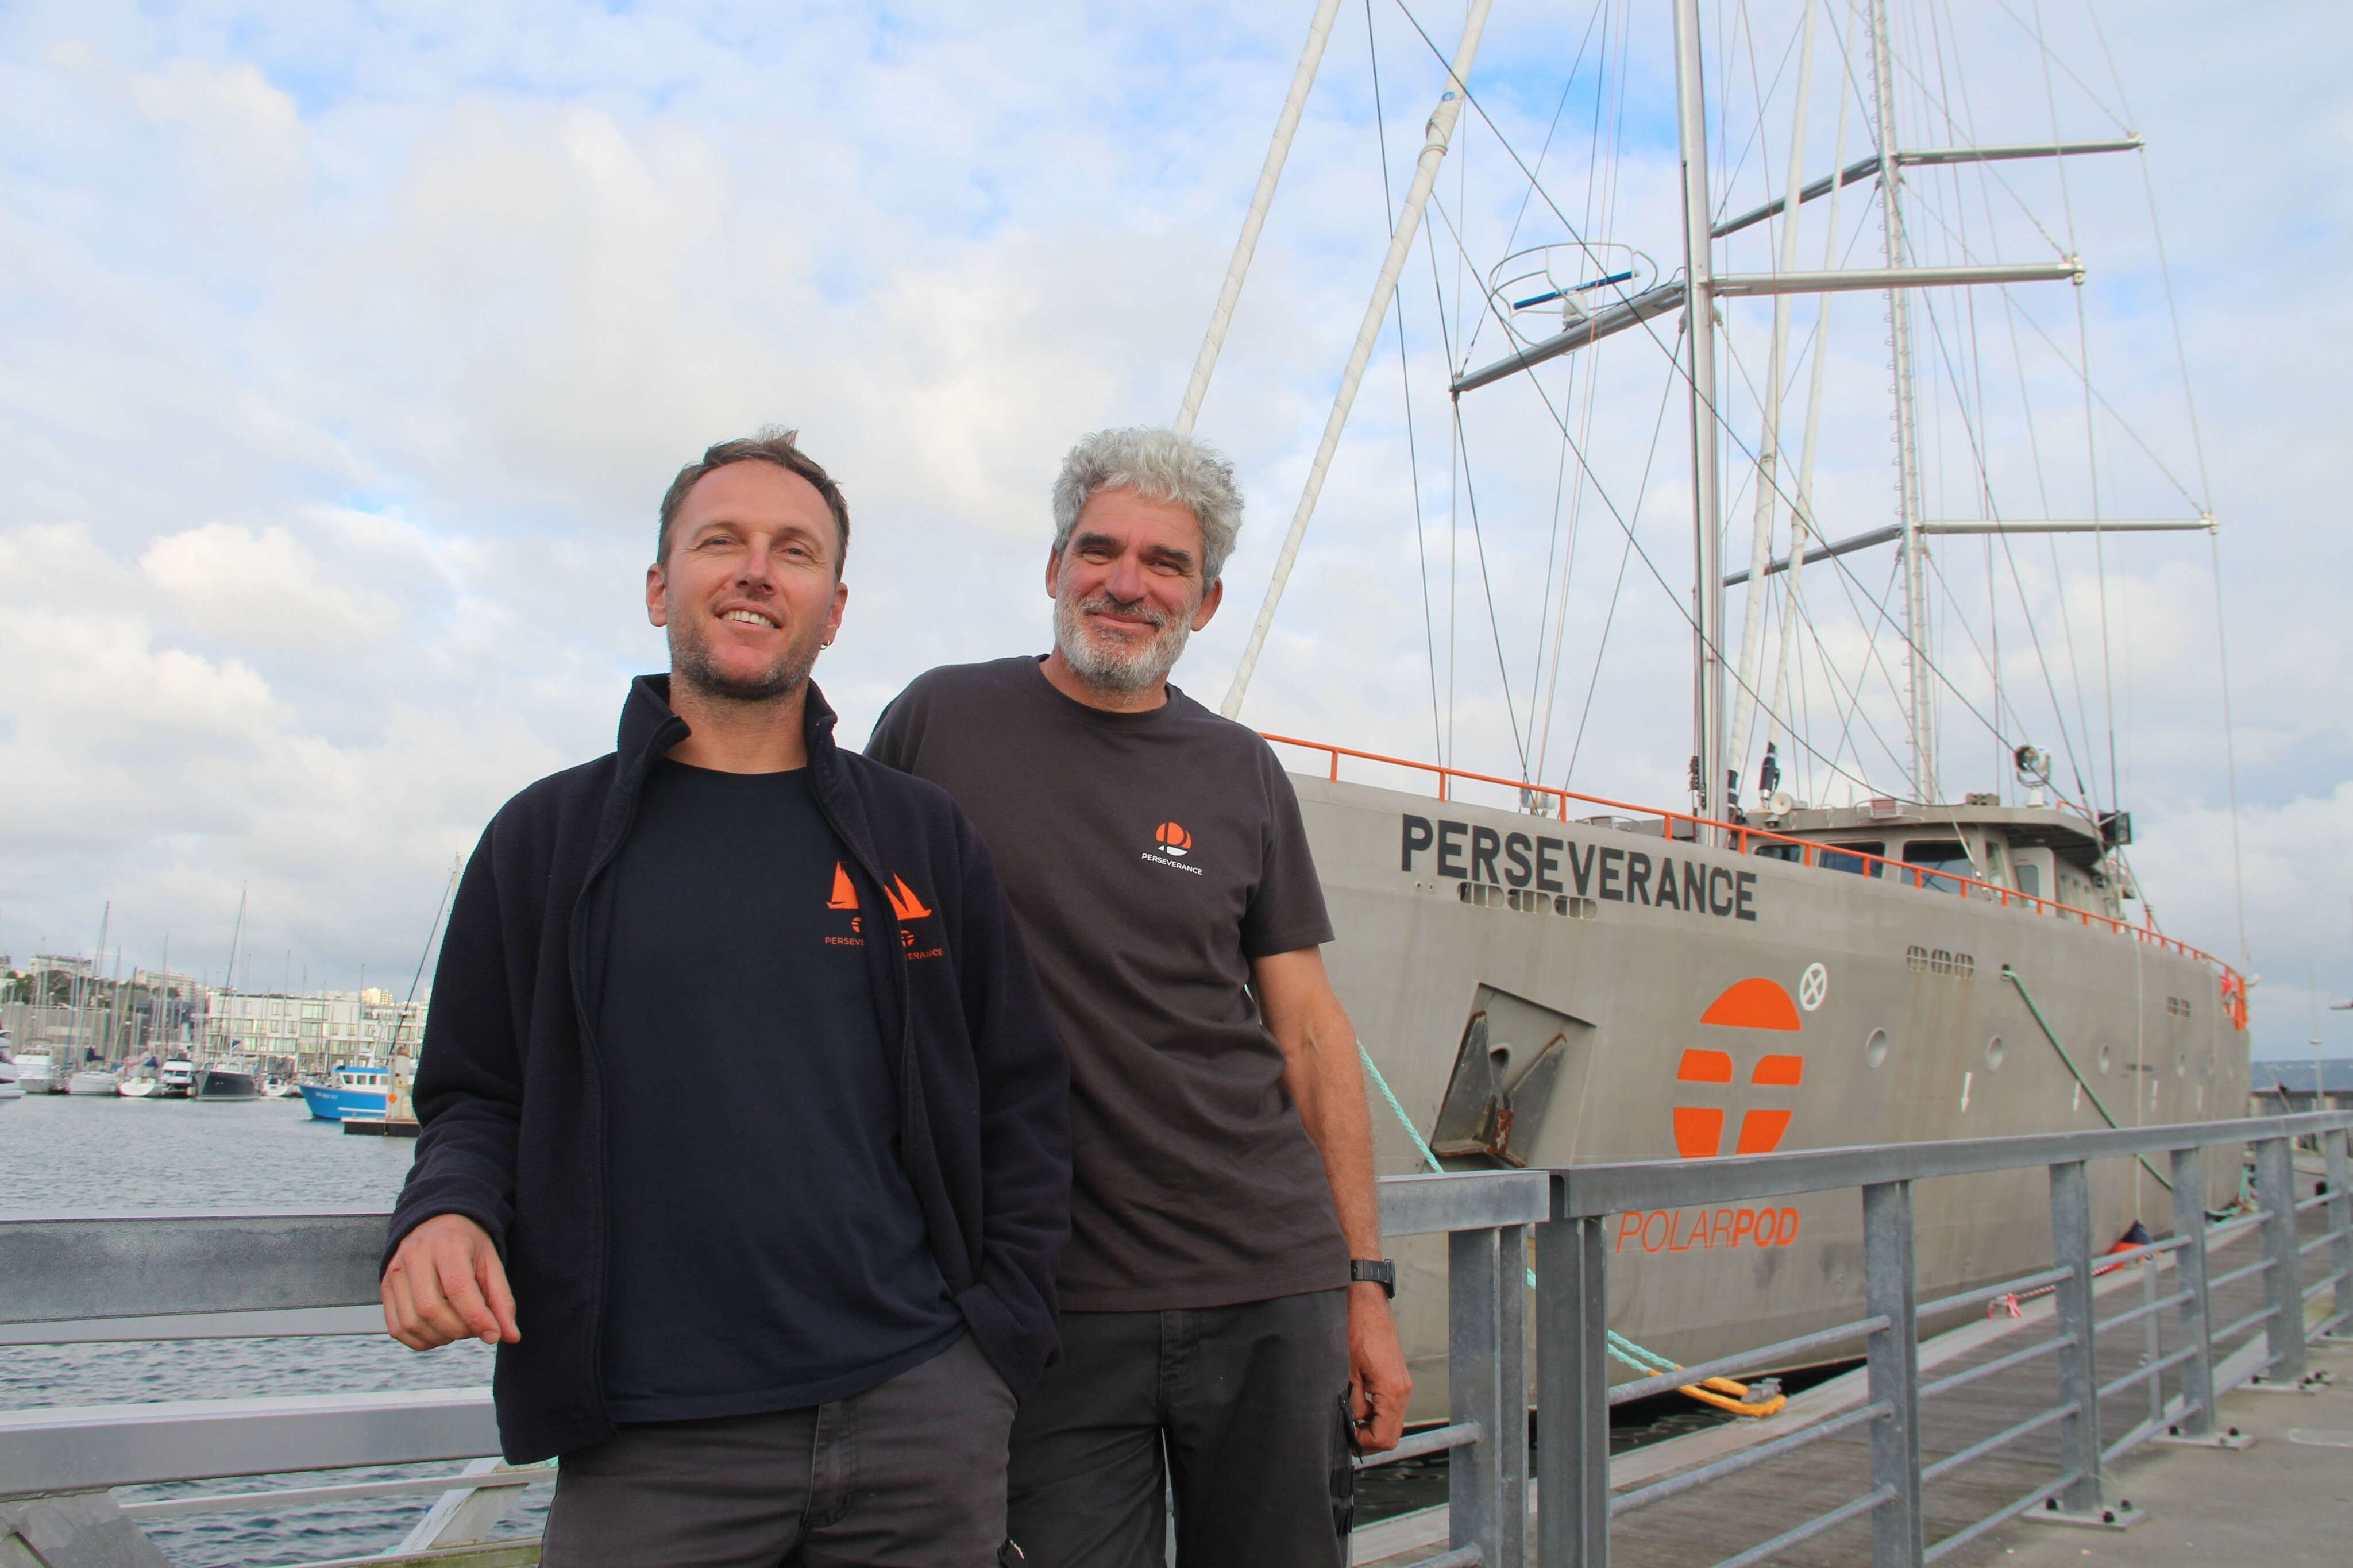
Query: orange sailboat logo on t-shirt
905, 902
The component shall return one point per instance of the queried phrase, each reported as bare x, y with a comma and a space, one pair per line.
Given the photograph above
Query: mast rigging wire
1849, 581
1405, 375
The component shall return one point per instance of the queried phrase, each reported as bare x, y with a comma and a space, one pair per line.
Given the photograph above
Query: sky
348, 350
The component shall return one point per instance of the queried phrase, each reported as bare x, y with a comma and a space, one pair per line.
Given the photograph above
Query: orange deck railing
1809, 852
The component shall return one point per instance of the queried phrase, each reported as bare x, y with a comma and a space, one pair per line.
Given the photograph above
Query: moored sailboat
1542, 977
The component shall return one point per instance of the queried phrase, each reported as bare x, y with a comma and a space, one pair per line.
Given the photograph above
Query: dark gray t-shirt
1148, 857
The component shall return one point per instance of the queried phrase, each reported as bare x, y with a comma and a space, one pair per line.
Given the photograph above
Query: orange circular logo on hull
1172, 837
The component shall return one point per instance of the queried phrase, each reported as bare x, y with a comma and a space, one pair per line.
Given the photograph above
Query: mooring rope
1722, 1392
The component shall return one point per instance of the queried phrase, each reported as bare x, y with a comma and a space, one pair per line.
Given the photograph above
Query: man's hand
1378, 1383
446, 1283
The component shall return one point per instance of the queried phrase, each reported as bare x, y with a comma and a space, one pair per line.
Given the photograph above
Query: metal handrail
66, 1278
1487, 1218
1741, 835
1592, 1190
1573, 1311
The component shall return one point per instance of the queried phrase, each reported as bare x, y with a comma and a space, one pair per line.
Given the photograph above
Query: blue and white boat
354, 1089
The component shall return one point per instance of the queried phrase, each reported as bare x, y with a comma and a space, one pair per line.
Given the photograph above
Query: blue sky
349, 348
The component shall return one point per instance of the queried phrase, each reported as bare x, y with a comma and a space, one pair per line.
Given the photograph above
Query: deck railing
145, 1278
1572, 1296
1805, 851
75, 1280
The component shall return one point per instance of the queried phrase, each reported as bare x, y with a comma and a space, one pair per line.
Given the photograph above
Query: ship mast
1699, 309
1917, 693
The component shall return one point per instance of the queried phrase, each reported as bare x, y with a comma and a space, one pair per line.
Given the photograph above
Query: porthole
1994, 1054
1874, 1049
2107, 1058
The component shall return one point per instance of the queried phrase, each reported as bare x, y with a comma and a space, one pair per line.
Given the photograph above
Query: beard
692, 662
1110, 663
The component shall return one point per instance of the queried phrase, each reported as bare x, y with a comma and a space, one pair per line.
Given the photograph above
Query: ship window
1781, 851
2029, 878
1874, 1049
1939, 855
1994, 1053
1830, 861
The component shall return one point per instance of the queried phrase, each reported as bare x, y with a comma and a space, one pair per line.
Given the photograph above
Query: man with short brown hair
737, 1071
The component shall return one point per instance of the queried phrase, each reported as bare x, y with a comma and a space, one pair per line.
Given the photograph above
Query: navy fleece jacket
508, 1089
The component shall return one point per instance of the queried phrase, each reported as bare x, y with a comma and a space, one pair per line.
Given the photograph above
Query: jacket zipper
576, 941
901, 986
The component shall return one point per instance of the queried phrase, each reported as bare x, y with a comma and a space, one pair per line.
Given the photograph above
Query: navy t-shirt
765, 1251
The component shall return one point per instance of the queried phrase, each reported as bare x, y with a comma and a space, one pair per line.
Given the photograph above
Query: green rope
2024, 996
1621, 1347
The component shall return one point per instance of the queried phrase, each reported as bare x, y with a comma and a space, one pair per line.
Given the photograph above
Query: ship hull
226, 1084
333, 1102
1887, 1018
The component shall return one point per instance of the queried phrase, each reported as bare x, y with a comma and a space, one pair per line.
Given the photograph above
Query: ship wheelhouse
2053, 858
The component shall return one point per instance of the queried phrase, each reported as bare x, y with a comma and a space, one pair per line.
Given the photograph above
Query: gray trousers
1245, 1408
910, 1474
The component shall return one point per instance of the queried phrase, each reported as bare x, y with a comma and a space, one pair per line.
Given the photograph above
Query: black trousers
910, 1474
1247, 1407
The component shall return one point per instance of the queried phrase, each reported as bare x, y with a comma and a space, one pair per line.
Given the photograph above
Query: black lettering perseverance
1472, 852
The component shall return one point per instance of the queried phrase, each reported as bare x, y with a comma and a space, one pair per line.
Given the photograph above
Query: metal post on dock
2283, 1324
1511, 1450
1485, 1392
2071, 1249
2189, 1276
2340, 1226
1894, 1360
1572, 1393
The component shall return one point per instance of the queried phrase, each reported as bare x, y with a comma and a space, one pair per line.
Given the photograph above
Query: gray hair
1158, 465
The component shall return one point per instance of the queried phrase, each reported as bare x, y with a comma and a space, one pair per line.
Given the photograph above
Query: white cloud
349, 354
243, 587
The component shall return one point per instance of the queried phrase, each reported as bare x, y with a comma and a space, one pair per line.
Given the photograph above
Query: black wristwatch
1378, 1272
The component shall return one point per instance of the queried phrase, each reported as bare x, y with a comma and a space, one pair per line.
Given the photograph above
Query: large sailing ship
1544, 978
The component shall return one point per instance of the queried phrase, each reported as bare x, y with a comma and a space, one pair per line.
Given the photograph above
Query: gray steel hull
1414, 947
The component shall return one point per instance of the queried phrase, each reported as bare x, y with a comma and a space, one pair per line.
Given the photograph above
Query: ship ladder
1723, 1393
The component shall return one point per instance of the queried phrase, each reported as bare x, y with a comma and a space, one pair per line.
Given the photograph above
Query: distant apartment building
315, 1032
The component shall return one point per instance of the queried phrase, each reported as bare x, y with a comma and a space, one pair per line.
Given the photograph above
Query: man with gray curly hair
1225, 1328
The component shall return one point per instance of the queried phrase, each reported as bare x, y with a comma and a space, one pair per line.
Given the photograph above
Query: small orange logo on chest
904, 901
1172, 837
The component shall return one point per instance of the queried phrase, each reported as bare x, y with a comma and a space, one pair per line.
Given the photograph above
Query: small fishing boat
355, 1089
